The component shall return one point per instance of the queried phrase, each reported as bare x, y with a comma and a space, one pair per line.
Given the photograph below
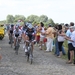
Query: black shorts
70, 47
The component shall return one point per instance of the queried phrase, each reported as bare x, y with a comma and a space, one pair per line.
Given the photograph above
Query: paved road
44, 63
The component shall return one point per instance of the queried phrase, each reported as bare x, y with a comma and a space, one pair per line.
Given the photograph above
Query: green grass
65, 45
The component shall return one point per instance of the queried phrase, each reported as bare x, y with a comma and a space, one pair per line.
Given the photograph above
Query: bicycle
11, 38
29, 52
17, 44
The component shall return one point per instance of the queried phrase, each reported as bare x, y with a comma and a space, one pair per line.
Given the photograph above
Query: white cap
72, 27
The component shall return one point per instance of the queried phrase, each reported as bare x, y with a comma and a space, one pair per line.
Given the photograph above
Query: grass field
65, 44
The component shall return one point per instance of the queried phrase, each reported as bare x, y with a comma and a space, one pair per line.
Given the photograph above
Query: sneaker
47, 50
26, 50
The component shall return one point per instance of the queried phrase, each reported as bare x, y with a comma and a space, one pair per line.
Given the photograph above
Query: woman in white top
60, 39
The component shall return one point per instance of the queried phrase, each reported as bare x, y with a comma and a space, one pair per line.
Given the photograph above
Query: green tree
32, 18
19, 17
50, 21
43, 18
9, 19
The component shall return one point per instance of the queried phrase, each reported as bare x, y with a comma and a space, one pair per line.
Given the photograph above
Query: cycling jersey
11, 30
24, 29
19, 32
31, 34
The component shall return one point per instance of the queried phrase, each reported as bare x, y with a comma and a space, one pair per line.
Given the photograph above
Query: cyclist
30, 35
18, 32
24, 28
10, 31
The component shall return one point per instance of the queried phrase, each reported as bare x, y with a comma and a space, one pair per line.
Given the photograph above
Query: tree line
32, 18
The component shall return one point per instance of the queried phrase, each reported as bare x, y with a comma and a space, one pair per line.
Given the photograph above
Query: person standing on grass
61, 39
57, 52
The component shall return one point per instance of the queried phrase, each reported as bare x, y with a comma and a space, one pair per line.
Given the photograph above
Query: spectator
37, 35
50, 37
73, 43
56, 43
72, 39
70, 47
42, 35
61, 34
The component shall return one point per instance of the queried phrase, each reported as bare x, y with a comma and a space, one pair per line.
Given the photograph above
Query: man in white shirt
72, 39
73, 43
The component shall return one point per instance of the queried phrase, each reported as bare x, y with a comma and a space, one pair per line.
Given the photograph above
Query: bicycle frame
29, 52
11, 39
17, 45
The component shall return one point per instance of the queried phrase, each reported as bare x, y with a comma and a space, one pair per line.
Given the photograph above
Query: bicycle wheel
31, 61
16, 51
11, 43
27, 53
27, 57
17, 47
11, 40
31, 55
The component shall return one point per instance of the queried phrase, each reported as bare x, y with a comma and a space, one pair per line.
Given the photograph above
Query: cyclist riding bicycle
10, 31
18, 32
24, 28
30, 35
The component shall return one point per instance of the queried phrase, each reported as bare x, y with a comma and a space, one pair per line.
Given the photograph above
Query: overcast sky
61, 11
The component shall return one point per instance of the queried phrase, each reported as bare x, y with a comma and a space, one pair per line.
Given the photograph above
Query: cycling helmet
30, 26
27, 24
16, 27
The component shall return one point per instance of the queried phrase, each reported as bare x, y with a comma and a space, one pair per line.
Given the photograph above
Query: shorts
45, 40
19, 36
38, 37
70, 47
42, 38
